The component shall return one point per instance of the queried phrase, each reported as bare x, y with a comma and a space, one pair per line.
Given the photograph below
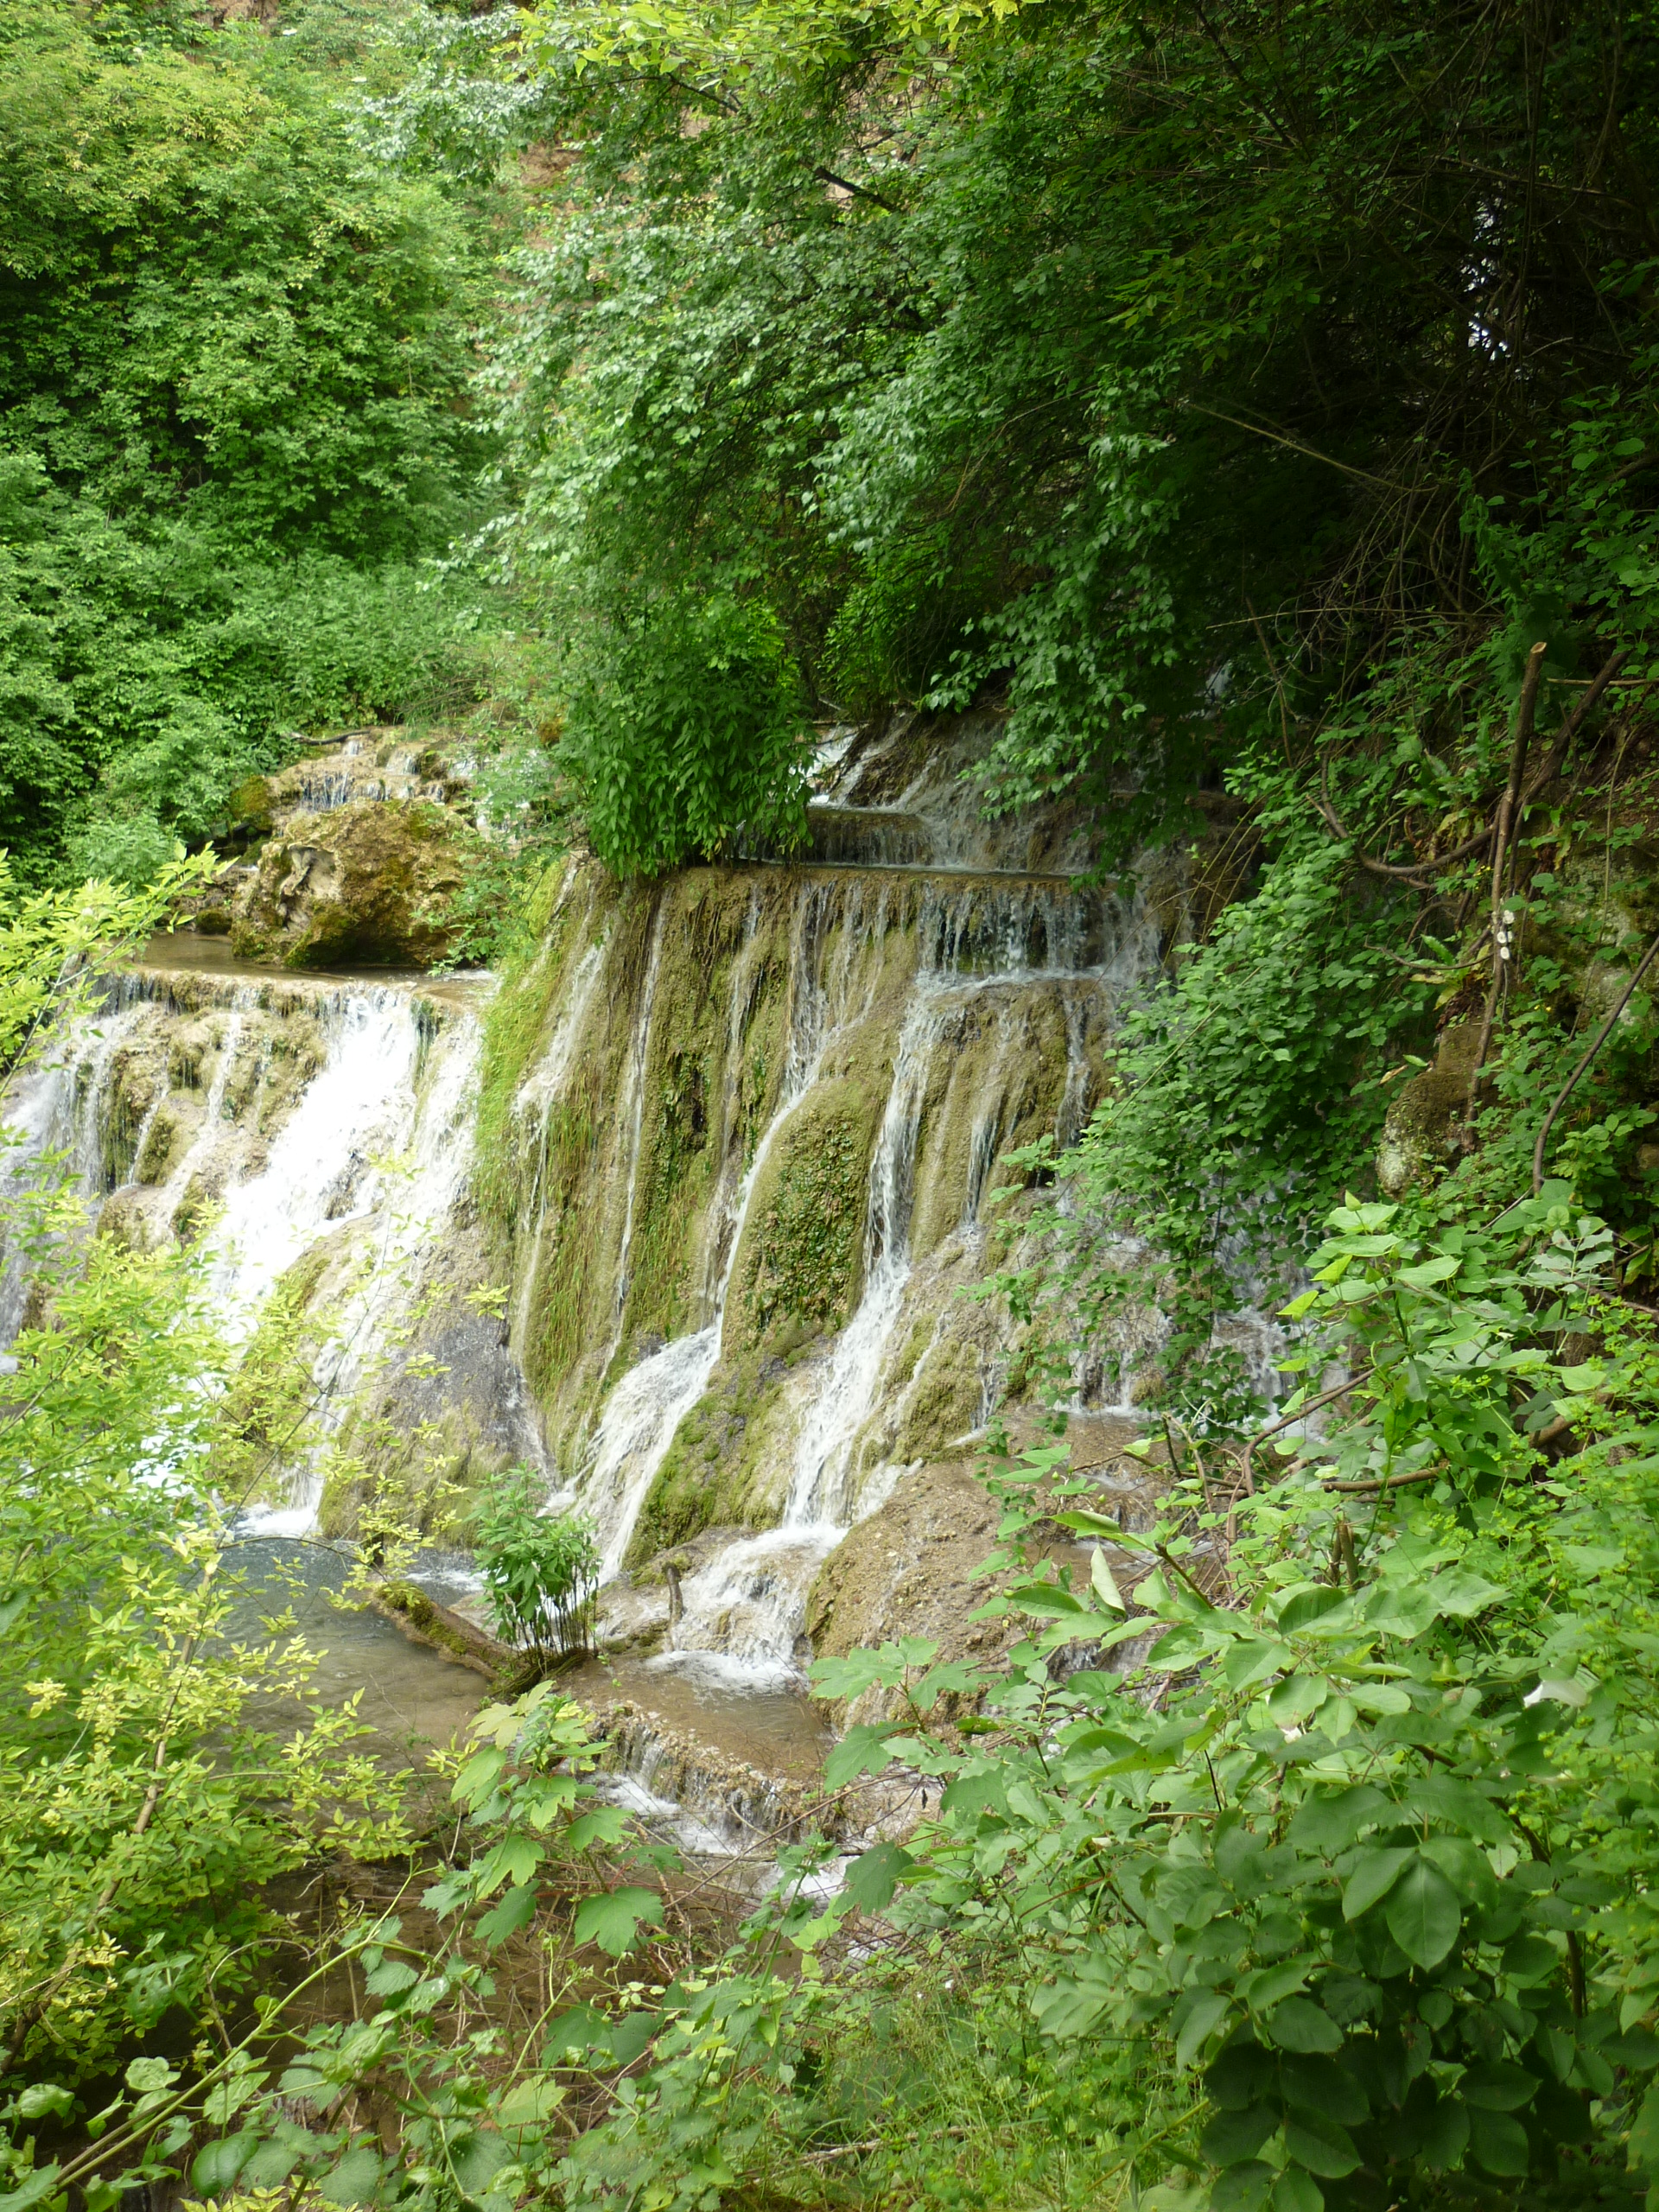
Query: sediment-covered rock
367, 883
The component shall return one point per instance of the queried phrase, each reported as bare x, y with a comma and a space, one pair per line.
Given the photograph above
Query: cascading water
371, 1140
970, 999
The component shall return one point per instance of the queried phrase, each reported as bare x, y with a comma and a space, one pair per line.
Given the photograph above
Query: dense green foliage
1238, 396
541, 1571
233, 417
1136, 363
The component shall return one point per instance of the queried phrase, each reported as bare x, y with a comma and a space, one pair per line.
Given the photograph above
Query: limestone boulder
368, 884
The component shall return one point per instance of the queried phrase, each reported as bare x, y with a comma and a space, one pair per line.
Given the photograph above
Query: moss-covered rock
367, 883
1419, 1135
802, 1265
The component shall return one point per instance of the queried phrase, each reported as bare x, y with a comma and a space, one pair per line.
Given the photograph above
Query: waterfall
647, 1405
377, 1142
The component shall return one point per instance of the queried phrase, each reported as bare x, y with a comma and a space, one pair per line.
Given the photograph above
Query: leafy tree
232, 416
1138, 364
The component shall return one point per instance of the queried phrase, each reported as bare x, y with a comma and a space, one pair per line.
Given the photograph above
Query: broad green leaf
45, 2101
1446, 2134
1241, 2189
356, 2179
1323, 2146
1498, 2143
1309, 1604
1423, 1914
1332, 1821
516, 1911
983, 1792
515, 1858
215, 2168
528, 2103
1069, 2007
1465, 1866
606, 1825
1205, 2016
390, 1976
1104, 1585
479, 2161
1375, 1874
1301, 2025
1498, 2086
42, 2183
1269, 1985
1250, 1662
1316, 2083
1461, 1594
1232, 2137
1643, 2146
1297, 2192
861, 1750
614, 1920
873, 1878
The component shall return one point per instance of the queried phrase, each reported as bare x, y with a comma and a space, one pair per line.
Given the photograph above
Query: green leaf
1498, 2086
1643, 2146
874, 1875
982, 1791
861, 1750
516, 1910
215, 2168
1310, 1603
1232, 2137
515, 1858
1324, 2146
1241, 2189
478, 2163
614, 1920
1445, 2134
1375, 1874
1205, 2016
1498, 2143
1296, 2191
1250, 1662
1301, 2025
45, 2100
1330, 1822
390, 1976
1069, 2007
1317, 2084
1423, 1914
42, 2183
606, 1825
355, 2180
1462, 1595
1429, 1272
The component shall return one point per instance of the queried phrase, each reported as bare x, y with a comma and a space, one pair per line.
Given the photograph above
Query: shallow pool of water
412, 1697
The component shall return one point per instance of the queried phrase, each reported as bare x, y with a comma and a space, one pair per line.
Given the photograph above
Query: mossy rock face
802, 1263
369, 884
729, 1465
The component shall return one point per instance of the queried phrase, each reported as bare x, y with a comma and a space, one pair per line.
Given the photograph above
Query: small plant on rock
541, 1572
